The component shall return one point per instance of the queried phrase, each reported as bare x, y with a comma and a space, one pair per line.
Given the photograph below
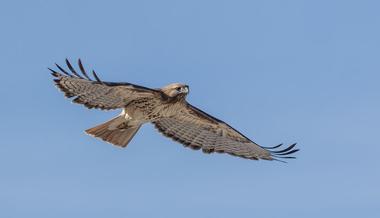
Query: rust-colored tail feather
114, 131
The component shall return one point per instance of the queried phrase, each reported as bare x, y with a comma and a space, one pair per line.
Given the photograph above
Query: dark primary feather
75, 74
82, 69
96, 77
96, 93
283, 153
62, 70
72, 69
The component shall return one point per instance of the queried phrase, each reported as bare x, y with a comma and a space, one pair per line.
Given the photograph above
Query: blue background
279, 71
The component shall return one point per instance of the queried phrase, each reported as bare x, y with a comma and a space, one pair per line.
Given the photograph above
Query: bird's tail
115, 131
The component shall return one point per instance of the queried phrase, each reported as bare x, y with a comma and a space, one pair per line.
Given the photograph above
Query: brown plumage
166, 108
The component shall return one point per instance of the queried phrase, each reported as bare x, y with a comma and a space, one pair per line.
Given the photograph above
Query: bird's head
176, 90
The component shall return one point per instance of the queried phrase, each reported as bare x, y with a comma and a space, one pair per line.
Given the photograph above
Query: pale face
176, 89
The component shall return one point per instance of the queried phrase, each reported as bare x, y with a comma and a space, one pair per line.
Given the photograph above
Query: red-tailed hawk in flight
166, 108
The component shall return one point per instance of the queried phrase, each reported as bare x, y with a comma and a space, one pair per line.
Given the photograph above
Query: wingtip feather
283, 154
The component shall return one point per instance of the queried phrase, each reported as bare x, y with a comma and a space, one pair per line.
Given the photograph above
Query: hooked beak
185, 89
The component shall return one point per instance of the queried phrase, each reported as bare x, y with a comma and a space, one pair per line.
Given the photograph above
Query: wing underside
196, 129
95, 93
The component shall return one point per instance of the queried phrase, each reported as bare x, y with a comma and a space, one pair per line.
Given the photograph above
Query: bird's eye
178, 89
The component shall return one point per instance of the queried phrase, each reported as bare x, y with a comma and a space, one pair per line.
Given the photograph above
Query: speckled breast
148, 109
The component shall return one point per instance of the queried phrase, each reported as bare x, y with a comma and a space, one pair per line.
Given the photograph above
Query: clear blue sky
279, 71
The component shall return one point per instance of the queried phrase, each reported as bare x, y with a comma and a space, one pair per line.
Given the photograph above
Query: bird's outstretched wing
97, 93
194, 128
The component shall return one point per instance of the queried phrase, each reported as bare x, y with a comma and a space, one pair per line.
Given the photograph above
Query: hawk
166, 108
